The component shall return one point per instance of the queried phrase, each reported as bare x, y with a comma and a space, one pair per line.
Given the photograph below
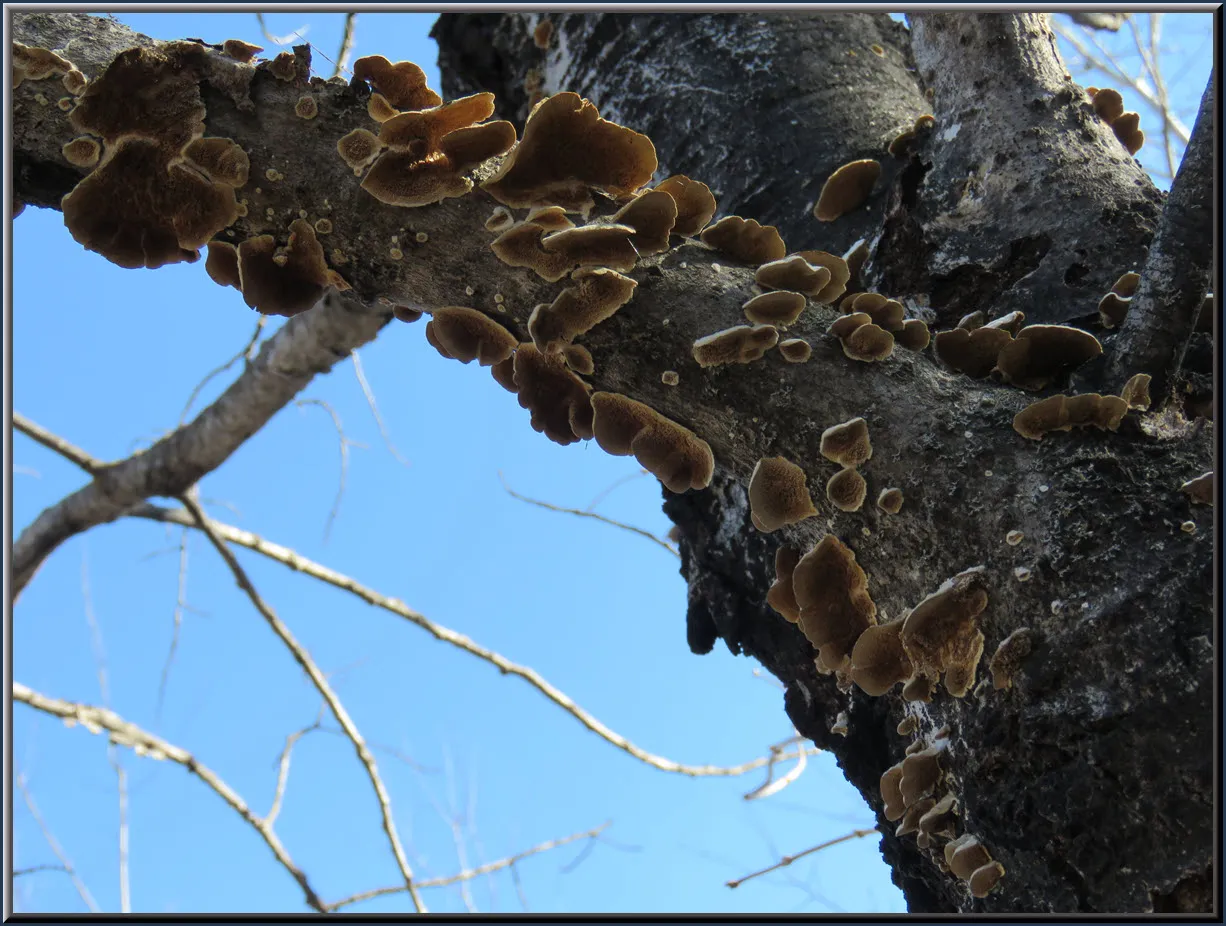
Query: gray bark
1091, 780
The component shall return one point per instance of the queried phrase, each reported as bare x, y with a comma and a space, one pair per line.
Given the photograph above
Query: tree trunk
1091, 778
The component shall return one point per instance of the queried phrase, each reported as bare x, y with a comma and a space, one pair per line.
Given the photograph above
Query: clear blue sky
107, 357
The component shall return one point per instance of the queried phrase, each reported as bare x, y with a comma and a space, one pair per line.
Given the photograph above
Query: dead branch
789, 859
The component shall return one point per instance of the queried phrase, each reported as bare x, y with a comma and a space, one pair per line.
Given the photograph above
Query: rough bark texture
1091, 779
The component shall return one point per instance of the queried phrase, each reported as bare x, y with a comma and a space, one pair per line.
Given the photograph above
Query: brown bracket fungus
911, 816
504, 374
890, 500
566, 151
675, 455
402, 84
1062, 413
965, 855
652, 214
890, 793
240, 51
408, 316
285, 281
500, 220
846, 189
599, 245
520, 245
847, 444
883, 312
781, 596
222, 264
219, 159
741, 344
579, 359
1200, 489
835, 607
1008, 657
793, 273
1108, 104
670, 378
940, 634
840, 274
780, 308
1010, 322
284, 66
973, 352
1041, 353
921, 771
1127, 129
82, 152
778, 494
906, 142
972, 320
695, 204
795, 350
358, 149
745, 240
878, 661
1113, 307
868, 343
844, 325
306, 107
939, 819
559, 401
846, 490
36, 64
594, 297
465, 335
913, 335
985, 878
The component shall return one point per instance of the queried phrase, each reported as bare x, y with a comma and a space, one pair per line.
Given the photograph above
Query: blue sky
107, 357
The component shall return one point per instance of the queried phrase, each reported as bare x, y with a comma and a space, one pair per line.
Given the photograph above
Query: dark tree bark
1091, 779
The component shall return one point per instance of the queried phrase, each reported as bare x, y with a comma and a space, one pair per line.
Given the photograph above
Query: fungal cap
844, 325
938, 820
74, 82
306, 107
972, 320
846, 490
781, 595
559, 402
940, 634
379, 109
594, 297
219, 159
1127, 129
846, 189
973, 352
740, 344
890, 793
1200, 489
289, 286
670, 378
890, 500
465, 335
913, 335
579, 359
82, 152
695, 203
675, 455
835, 607
1112, 309
878, 661
652, 214
920, 773
847, 444
780, 308
240, 51
403, 84
1038, 418
1040, 353
984, 879
883, 312
359, 148
868, 343
840, 274
745, 240
778, 494
542, 34
965, 855
795, 350
594, 245
1108, 104
911, 816
222, 264
504, 374
1126, 285
793, 273
1008, 656
500, 219
409, 315
1010, 322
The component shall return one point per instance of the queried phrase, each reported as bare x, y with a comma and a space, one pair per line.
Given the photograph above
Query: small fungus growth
793, 273
846, 189
781, 596
780, 308
795, 350
240, 51
402, 84
464, 334
652, 214
940, 634
670, 378
878, 661
675, 455
695, 204
890, 500
594, 297
559, 402
82, 152
835, 607
1200, 489
846, 490
741, 344
1008, 657
847, 444
778, 494
745, 240
306, 107
971, 351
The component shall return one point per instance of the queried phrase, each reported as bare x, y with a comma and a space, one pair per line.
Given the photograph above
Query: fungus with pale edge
594, 297
284, 66
670, 378
1008, 657
913, 335
542, 34
402, 84
778, 494
1010, 322
781, 595
1039, 418
240, 51
579, 359
504, 374
844, 325
745, 240
408, 316
890, 794
466, 335
919, 688
940, 634
878, 661
675, 455
652, 214
36, 64
379, 109
74, 82
911, 816
323, 226
835, 607
1112, 309
846, 189
82, 152
359, 148
306, 107
1126, 285
972, 320
219, 159
289, 288
939, 819
972, 352
793, 273
780, 308
559, 402
1108, 104
1200, 489
986, 878
890, 500
868, 343
740, 344
795, 350
1127, 129
472, 145
221, 264
846, 490
885, 313
840, 274
695, 203
567, 150
500, 219
594, 245
855, 257
966, 854
908, 724
920, 773
847, 444
1040, 353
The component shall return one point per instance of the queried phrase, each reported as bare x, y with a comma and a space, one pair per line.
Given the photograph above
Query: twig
283, 767
342, 57
471, 873
124, 733
54, 442
34, 869
125, 886
180, 605
789, 859
217, 371
321, 685
19, 470
774, 785
608, 490
588, 514
284, 39
65, 864
373, 405
344, 444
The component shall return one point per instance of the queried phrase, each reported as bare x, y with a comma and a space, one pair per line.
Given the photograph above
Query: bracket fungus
846, 490
745, 240
890, 500
909, 139
306, 107
1041, 353
579, 359
500, 219
600, 245
1200, 489
1108, 104
781, 596
840, 274
240, 51
464, 334
844, 325
1127, 129
594, 297
847, 444
971, 351
31, 63
911, 816
913, 335
940, 634
1010, 322
921, 771
835, 607
82, 152
1008, 657
983, 879
520, 245
878, 661
890, 793
358, 149
939, 819
289, 280
675, 455
846, 189
407, 315
402, 84
795, 350
780, 308
793, 273
883, 312
652, 214
965, 855
868, 343
566, 151
695, 203
670, 378
741, 344
1113, 307
778, 494
972, 320
1062, 413
558, 400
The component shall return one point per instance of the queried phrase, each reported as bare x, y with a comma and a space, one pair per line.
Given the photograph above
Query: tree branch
789, 859
65, 865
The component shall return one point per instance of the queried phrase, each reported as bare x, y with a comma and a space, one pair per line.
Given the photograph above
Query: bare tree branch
347, 36
217, 371
65, 864
283, 766
789, 859
280, 39
124, 733
374, 408
54, 442
321, 685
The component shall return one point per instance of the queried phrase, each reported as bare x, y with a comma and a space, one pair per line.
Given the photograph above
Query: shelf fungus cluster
872, 324
1065, 412
1033, 359
1109, 107
848, 445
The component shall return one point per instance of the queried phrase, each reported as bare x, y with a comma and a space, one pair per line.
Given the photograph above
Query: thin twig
283, 767
51, 840
374, 406
774, 785
344, 445
245, 353
321, 685
342, 57
283, 39
124, 733
588, 514
180, 606
789, 859
34, 869
471, 873
54, 442
607, 490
